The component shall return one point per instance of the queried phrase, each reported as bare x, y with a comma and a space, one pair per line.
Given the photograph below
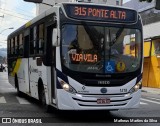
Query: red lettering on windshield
84, 58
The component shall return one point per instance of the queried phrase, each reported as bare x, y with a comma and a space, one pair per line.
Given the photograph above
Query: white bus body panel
35, 74
68, 101
22, 75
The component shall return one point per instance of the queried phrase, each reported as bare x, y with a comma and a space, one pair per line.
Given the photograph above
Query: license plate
103, 101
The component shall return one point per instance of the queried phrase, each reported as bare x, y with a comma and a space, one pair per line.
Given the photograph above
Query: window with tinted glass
9, 47
31, 41
97, 49
17, 45
13, 46
21, 45
41, 39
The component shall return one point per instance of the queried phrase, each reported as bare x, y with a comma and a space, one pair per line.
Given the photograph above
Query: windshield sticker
84, 58
110, 67
134, 65
92, 68
120, 67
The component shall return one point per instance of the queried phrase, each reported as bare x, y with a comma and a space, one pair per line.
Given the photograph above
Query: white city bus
79, 56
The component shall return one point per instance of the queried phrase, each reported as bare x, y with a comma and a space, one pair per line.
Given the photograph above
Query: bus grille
93, 102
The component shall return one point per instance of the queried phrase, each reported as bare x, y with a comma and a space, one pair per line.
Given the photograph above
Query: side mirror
54, 37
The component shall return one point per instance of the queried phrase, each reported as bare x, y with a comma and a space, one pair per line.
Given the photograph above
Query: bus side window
31, 42
16, 45
34, 38
21, 45
9, 47
37, 40
41, 39
15, 39
26, 46
48, 58
12, 47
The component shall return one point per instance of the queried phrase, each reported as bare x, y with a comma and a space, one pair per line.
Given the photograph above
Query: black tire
42, 99
19, 93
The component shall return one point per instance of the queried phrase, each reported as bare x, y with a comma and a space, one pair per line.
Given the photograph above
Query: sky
16, 13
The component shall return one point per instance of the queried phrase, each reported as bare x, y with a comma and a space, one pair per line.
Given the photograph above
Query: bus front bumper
68, 101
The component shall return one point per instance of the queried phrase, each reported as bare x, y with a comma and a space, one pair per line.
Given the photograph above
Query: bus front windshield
97, 49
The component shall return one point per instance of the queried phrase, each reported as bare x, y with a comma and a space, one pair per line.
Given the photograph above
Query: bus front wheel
17, 86
42, 99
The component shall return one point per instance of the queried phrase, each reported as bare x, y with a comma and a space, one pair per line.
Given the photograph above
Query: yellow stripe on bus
28, 24
16, 68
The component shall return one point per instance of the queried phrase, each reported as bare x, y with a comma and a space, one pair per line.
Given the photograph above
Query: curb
144, 91
152, 92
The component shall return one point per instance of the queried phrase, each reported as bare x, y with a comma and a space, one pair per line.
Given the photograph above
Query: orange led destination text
84, 57
100, 13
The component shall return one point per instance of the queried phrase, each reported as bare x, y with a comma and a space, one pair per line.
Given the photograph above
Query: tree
157, 5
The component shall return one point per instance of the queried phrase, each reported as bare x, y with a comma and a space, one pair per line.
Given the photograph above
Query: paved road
13, 106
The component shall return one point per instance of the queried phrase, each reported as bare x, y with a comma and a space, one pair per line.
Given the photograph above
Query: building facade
42, 7
151, 23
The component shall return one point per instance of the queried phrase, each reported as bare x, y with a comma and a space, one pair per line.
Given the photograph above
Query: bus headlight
67, 87
136, 87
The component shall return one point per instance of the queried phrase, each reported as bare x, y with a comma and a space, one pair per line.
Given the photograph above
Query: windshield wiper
119, 32
93, 34
111, 43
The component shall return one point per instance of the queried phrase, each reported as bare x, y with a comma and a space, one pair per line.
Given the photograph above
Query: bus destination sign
100, 13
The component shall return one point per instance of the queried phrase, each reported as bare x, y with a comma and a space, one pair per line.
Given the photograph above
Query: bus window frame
37, 39
64, 20
21, 43
9, 47
17, 45
13, 47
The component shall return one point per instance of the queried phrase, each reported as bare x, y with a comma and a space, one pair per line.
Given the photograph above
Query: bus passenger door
50, 60
24, 87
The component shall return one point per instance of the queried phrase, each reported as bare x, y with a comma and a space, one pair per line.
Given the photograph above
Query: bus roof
51, 10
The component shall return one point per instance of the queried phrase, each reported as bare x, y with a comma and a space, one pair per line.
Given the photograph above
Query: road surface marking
150, 101
143, 103
2, 100
22, 100
154, 98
